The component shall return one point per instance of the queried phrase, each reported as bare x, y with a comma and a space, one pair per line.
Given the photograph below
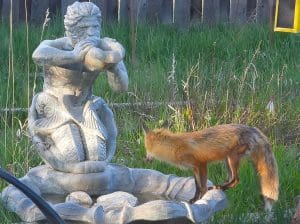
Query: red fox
230, 142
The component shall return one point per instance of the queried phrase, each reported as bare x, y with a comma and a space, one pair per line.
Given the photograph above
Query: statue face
83, 30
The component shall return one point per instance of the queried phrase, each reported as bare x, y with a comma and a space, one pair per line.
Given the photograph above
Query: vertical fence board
133, 12
54, 7
238, 10
210, 11
65, 4
166, 12
251, 10
123, 15
271, 5
182, 13
0, 9
262, 11
142, 11
6, 9
224, 10
38, 10
196, 10
25, 5
112, 10
153, 10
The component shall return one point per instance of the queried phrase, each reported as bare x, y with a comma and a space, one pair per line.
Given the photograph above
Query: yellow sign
287, 16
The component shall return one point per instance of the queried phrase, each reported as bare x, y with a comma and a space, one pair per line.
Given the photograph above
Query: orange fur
224, 142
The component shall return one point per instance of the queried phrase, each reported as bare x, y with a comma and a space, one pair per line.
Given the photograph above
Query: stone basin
117, 195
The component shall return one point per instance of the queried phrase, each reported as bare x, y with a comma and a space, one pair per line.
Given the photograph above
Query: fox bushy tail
266, 166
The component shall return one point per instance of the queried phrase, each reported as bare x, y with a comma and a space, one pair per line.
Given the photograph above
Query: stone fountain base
117, 195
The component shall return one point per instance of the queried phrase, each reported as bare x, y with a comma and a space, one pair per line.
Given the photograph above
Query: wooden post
210, 11
182, 13
238, 10
8, 7
38, 10
166, 13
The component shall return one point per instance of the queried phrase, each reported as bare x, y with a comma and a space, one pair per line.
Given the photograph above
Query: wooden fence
180, 12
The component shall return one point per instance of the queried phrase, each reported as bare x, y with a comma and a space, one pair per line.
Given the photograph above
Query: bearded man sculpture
74, 132
66, 107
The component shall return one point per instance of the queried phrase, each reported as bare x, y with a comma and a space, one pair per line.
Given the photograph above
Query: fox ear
144, 127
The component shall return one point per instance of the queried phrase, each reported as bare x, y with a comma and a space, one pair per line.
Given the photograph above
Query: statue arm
59, 52
117, 77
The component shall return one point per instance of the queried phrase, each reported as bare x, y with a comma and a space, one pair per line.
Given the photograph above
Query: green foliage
226, 74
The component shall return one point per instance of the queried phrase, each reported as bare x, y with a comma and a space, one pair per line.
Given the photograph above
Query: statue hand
81, 49
109, 44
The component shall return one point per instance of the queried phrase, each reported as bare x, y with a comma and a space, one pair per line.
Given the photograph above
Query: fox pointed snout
149, 158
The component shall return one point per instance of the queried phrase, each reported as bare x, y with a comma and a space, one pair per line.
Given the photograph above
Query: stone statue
66, 107
74, 132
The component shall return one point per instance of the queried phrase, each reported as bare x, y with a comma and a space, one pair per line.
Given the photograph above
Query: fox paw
218, 187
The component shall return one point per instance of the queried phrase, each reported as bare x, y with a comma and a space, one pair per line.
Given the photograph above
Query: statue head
82, 20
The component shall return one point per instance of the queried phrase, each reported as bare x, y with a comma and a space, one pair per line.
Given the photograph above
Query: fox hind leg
200, 174
232, 163
229, 176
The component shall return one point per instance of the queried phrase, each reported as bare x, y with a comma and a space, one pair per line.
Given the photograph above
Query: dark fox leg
200, 174
229, 176
233, 163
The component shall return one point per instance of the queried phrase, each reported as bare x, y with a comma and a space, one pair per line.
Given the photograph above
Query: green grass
229, 73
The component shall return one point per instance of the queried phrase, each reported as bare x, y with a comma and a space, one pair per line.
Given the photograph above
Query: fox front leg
200, 174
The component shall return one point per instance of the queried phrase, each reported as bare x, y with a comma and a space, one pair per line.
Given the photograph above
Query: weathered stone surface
162, 196
102, 4
65, 4
81, 198
117, 200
